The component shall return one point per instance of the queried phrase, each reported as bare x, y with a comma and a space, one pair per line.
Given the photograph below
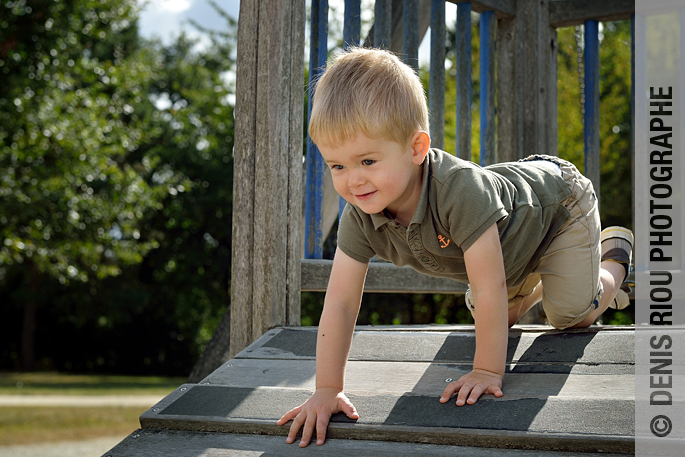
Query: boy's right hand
315, 413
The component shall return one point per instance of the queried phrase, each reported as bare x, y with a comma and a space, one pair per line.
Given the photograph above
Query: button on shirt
459, 201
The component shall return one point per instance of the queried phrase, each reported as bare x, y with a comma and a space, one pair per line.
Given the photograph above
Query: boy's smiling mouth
365, 196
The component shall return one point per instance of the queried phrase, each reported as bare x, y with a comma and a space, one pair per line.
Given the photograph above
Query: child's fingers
321, 425
348, 408
308, 430
475, 394
496, 391
463, 394
471, 393
449, 390
295, 427
289, 415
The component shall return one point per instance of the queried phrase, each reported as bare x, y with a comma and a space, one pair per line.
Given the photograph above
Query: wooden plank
381, 277
165, 443
463, 102
410, 33
502, 8
555, 423
397, 25
272, 162
270, 101
526, 83
420, 378
572, 410
243, 176
552, 351
436, 82
509, 70
295, 223
575, 12
382, 25
591, 106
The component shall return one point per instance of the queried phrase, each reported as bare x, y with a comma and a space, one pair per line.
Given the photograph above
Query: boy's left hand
471, 386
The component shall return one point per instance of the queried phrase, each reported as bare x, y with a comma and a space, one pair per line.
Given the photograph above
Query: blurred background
116, 138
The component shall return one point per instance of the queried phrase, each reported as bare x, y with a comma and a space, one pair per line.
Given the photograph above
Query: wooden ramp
565, 391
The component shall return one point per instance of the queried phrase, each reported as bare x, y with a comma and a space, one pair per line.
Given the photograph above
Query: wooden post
591, 114
382, 25
526, 82
267, 194
436, 81
463, 102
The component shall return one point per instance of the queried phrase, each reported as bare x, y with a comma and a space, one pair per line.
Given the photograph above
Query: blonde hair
367, 91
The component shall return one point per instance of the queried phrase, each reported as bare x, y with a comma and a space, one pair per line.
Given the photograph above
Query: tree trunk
216, 352
28, 334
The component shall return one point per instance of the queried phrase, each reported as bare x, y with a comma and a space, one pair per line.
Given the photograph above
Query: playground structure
556, 398
268, 271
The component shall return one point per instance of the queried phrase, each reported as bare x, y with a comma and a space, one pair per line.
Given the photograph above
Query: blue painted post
591, 115
487, 88
410, 33
382, 24
318, 50
352, 23
463, 128
436, 82
351, 37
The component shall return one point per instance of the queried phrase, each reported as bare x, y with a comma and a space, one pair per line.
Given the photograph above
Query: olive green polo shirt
459, 201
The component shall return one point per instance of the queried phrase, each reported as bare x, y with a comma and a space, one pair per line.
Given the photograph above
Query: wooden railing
523, 87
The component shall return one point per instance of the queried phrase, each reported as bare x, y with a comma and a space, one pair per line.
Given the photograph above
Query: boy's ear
420, 144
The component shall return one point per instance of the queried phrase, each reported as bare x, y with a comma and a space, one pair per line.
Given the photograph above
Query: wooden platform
564, 391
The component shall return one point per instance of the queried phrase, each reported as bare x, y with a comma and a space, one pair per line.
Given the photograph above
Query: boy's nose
355, 179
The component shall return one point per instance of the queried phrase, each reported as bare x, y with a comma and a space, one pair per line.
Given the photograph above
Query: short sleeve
351, 237
469, 202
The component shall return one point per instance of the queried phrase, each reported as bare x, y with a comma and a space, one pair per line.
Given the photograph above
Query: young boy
515, 232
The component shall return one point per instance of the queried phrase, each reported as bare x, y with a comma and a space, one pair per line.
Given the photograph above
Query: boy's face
376, 174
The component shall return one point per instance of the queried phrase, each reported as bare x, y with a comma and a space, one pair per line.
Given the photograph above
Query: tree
133, 234
73, 182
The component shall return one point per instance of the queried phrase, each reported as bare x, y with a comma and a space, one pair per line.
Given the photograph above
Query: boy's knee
564, 321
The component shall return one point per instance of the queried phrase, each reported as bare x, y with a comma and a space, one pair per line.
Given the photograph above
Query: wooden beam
526, 83
268, 169
436, 80
574, 12
502, 8
464, 81
381, 277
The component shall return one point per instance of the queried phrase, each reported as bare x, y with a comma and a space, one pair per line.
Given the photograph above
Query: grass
45, 424
38, 424
69, 384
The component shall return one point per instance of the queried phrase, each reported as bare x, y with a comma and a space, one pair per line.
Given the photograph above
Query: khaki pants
569, 269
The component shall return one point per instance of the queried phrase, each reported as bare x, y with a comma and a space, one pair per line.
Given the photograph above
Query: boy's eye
336, 167
368, 162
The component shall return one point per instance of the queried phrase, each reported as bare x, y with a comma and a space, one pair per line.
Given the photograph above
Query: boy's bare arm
341, 306
485, 269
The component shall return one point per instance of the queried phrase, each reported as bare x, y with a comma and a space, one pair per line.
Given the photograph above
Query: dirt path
89, 448
79, 400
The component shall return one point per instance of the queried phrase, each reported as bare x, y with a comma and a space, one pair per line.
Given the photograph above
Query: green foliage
615, 129
71, 196
116, 182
